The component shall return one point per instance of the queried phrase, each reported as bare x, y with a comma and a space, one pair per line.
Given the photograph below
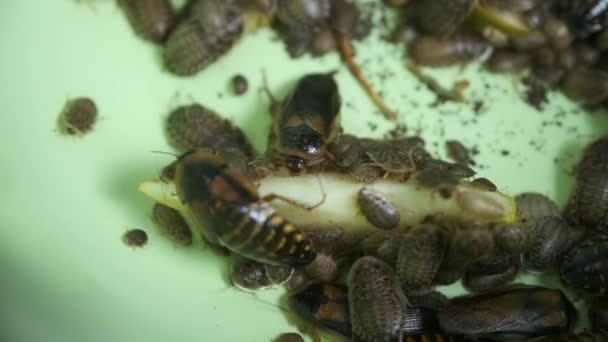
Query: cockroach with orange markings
306, 121
230, 212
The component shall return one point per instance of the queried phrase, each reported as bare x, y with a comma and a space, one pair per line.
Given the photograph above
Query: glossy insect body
325, 305
534, 206
194, 125
377, 303
586, 266
135, 238
461, 48
490, 273
514, 239
584, 16
230, 212
209, 31
512, 312
152, 20
308, 119
420, 254
598, 313
443, 17
588, 204
552, 238
303, 15
78, 116
250, 275
378, 210
172, 223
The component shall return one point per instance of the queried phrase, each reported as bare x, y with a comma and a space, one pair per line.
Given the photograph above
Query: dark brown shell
514, 239
303, 15
442, 17
553, 237
534, 206
508, 62
484, 183
391, 156
249, 275
150, 19
588, 203
347, 150
135, 238
194, 126
78, 116
585, 85
458, 152
490, 273
211, 30
378, 210
420, 254
324, 268
509, 313
376, 301
438, 52
172, 223
586, 266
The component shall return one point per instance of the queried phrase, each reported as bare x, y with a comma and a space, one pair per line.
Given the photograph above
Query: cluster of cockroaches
388, 291
561, 43
379, 286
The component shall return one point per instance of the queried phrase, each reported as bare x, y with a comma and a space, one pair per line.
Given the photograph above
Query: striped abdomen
257, 231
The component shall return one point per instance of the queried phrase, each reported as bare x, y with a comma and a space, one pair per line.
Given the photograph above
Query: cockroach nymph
172, 223
152, 20
378, 210
135, 238
78, 116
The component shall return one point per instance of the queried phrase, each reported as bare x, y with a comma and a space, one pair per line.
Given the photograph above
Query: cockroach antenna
163, 152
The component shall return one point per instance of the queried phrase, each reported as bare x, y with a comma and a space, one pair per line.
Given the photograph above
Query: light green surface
66, 276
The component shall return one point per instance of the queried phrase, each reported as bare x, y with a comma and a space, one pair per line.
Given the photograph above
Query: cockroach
441, 180
135, 238
484, 183
289, 337
585, 85
172, 223
490, 273
325, 305
347, 151
558, 33
584, 17
228, 209
152, 20
388, 251
324, 268
394, 156
512, 312
433, 300
508, 62
378, 210
78, 116
588, 204
279, 274
376, 301
458, 152
303, 15
553, 237
586, 266
598, 313
323, 42
442, 17
249, 275
239, 84
514, 239
438, 52
307, 120
194, 125
210, 30
420, 254
534, 206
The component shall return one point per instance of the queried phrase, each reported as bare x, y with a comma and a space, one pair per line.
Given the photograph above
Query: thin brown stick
347, 54
455, 94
